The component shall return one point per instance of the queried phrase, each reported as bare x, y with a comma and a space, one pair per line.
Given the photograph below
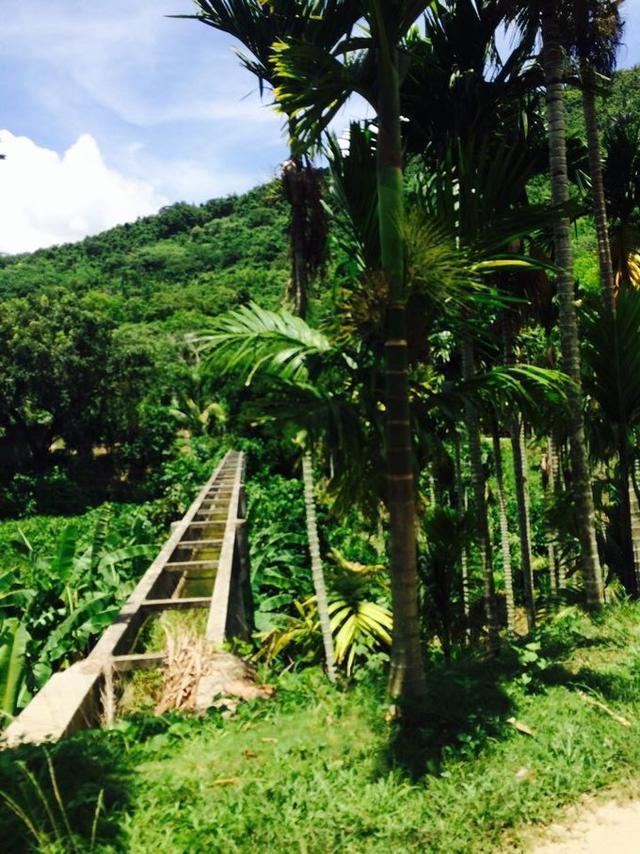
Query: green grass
319, 770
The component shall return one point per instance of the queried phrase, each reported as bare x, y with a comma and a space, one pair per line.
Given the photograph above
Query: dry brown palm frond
185, 654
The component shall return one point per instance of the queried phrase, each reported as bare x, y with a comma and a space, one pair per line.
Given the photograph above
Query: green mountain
176, 267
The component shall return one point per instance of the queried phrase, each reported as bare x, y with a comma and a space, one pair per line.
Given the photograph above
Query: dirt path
612, 828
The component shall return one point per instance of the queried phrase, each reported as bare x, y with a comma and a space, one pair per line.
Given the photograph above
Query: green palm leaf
251, 339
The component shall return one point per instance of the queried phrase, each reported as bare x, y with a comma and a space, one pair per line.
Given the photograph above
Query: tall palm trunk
521, 475
316, 566
553, 74
597, 184
504, 535
607, 279
479, 500
407, 678
631, 575
549, 492
555, 485
634, 517
293, 180
461, 505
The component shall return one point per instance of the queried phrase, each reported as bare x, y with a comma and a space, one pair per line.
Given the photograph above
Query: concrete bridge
203, 564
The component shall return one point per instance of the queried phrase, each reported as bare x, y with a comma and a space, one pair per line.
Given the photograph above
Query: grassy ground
317, 770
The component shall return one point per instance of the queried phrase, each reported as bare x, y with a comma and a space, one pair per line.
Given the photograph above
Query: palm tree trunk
556, 484
553, 74
316, 566
479, 500
297, 297
293, 181
521, 474
634, 518
606, 272
597, 184
504, 535
549, 490
407, 677
461, 504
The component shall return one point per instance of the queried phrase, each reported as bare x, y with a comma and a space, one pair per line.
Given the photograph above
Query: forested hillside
92, 341
177, 267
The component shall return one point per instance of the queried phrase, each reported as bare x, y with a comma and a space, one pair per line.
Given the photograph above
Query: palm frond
355, 191
525, 388
313, 85
251, 339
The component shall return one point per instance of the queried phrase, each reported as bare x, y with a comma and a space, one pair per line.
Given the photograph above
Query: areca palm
622, 190
546, 14
474, 120
338, 71
257, 25
615, 418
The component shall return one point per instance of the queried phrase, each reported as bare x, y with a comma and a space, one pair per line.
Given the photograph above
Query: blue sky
110, 110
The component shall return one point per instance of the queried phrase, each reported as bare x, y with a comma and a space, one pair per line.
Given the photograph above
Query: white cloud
48, 198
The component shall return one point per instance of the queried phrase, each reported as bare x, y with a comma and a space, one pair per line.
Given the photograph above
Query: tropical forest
320, 500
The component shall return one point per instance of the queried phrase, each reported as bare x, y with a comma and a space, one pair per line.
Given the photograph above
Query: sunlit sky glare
111, 110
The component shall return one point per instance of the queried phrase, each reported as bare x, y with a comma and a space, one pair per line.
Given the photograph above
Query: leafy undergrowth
320, 770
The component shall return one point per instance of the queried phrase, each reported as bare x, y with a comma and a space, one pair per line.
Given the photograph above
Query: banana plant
13, 651
64, 598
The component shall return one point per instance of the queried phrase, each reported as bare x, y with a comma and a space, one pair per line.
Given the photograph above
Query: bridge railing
206, 552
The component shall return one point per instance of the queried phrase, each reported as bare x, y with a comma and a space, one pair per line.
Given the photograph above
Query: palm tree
474, 113
504, 533
258, 25
461, 507
314, 85
316, 566
598, 30
616, 414
521, 473
479, 495
552, 60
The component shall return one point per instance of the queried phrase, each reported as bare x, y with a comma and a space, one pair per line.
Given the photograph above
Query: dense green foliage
436, 379
64, 579
93, 356
175, 268
316, 765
